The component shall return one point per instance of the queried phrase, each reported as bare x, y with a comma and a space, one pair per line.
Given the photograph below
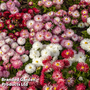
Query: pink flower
20, 73
31, 88
56, 75
74, 21
55, 39
15, 88
1, 25
20, 50
40, 3
47, 36
46, 17
38, 18
61, 80
59, 13
62, 87
48, 25
82, 67
8, 66
39, 36
59, 2
56, 30
10, 26
58, 65
75, 37
35, 80
48, 4
84, 12
76, 14
30, 3
2, 87
69, 33
84, 18
14, 10
72, 8
6, 73
66, 19
89, 84
26, 16
24, 33
42, 79
1, 74
16, 3
17, 64
38, 26
68, 44
81, 86
10, 4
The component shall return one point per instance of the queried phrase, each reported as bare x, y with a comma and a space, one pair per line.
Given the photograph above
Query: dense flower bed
44, 45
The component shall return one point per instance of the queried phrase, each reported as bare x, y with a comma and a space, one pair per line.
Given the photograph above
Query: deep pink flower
6, 73
82, 67
15, 88
17, 64
81, 86
1, 25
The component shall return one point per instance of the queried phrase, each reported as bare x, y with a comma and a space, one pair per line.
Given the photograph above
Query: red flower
18, 15
42, 79
1, 25
6, 14
10, 26
89, 84
11, 35
17, 34
66, 63
82, 67
30, 11
67, 53
7, 21
36, 10
57, 65
31, 88
80, 86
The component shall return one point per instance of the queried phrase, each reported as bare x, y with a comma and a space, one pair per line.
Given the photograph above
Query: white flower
50, 46
86, 24
84, 43
55, 52
14, 45
72, 59
3, 6
30, 24
81, 25
37, 45
80, 57
11, 52
45, 52
88, 30
2, 42
21, 41
80, 78
24, 58
88, 20
54, 59
5, 57
34, 53
1, 53
57, 46
5, 48
30, 68
8, 40
37, 61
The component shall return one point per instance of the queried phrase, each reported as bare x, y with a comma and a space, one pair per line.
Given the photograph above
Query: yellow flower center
67, 53
54, 88
47, 88
30, 67
0, 25
68, 43
68, 80
66, 19
82, 67
46, 66
57, 64
36, 61
10, 26
86, 43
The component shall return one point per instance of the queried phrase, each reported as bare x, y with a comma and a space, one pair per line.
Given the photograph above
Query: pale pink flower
40, 3
56, 30
51, 14
24, 33
16, 88
26, 16
59, 2
55, 39
2, 87
39, 36
3, 6
38, 18
76, 14
38, 26
48, 25
6, 73
74, 21
48, 4
11, 52
68, 44
5, 57
66, 19
16, 3
10, 4
46, 17
14, 10
20, 50
69, 33
75, 37
17, 64
47, 36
